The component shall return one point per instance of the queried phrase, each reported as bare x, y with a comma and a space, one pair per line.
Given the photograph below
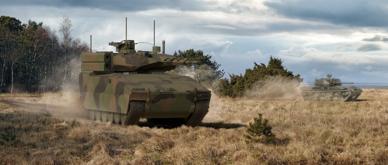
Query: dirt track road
55, 110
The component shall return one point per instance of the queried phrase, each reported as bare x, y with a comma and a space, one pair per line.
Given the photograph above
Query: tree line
35, 58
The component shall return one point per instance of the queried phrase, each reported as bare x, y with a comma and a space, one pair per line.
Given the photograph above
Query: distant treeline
33, 57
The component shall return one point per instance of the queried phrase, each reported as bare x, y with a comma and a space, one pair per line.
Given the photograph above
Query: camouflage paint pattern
165, 95
109, 82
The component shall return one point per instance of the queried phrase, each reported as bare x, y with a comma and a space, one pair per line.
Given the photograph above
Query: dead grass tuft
79, 134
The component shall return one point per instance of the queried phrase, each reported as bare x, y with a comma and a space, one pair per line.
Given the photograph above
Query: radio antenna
126, 28
91, 44
154, 33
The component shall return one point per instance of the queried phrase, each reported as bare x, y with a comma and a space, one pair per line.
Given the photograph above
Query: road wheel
136, 109
91, 115
104, 116
116, 118
98, 116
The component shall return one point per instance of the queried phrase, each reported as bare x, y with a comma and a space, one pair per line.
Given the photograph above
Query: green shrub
204, 59
259, 131
7, 134
236, 85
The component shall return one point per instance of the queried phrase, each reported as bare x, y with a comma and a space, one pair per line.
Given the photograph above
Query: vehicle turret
125, 46
328, 81
127, 59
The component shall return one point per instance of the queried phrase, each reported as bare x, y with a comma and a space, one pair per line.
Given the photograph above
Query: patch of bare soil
316, 133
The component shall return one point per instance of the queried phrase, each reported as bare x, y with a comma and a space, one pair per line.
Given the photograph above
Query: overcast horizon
347, 38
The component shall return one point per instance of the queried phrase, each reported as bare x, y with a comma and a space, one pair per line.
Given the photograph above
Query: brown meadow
312, 133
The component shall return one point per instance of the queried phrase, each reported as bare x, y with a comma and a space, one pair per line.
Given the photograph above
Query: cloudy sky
348, 38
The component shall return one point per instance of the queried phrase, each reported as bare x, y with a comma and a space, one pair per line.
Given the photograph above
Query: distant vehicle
128, 85
331, 89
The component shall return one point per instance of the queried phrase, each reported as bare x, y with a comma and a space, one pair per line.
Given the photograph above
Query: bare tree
13, 57
3, 54
65, 30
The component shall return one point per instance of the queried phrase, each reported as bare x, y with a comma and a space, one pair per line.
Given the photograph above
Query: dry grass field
310, 132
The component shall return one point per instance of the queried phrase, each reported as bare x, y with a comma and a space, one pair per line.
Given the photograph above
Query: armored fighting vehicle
128, 85
331, 89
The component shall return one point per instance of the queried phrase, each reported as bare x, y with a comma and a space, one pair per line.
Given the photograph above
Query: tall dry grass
312, 132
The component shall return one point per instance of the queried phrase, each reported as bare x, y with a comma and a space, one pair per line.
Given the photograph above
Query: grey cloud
253, 29
377, 38
119, 5
179, 22
364, 13
369, 47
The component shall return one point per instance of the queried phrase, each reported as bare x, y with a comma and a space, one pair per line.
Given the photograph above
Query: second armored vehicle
331, 89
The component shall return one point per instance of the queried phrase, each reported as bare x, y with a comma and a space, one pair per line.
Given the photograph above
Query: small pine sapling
259, 131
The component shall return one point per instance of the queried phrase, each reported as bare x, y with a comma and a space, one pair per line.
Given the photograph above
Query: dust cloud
201, 73
276, 88
206, 76
68, 94
66, 101
273, 89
